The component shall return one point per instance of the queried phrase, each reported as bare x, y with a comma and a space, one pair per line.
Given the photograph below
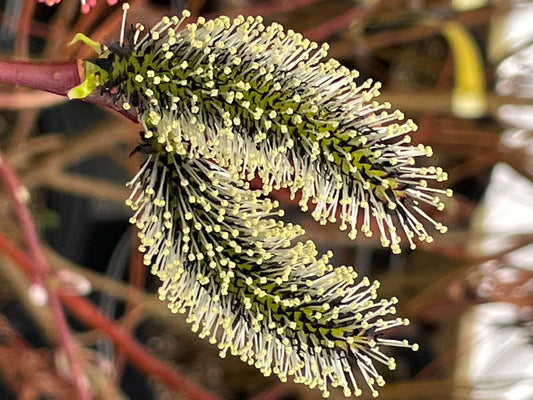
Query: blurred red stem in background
92, 317
24, 28
274, 7
141, 358
41, 273
328, 28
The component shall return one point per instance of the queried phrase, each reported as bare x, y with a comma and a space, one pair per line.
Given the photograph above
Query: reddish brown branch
333, 25
41, 273
140, 357
92, 317
37, 29
137, 277
274, 7
22, 39
60, 32
27, 371
28, 100
472, 18
147, 363
56, 78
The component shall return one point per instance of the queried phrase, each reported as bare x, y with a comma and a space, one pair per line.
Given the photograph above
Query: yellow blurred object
497, 48
469, 97
465, 5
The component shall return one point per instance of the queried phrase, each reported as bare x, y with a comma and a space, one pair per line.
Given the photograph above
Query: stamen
125, 8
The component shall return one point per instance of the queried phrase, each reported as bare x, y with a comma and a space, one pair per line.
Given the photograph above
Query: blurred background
462, 69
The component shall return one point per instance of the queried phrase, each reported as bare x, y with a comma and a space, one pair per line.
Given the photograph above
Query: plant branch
419, 305
22, 39
333, 25
439, 101
133, 310
19, 284
122, 291
60, 33
147, 363
57, 78
24, 100
28, 371
477, 17
41, 273
84, 185
274, 7
92, 317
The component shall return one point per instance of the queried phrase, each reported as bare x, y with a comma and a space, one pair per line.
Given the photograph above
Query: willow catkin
261, 102
244, 282
224, 101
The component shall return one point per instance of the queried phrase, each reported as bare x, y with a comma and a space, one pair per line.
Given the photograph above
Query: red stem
87, 313
137, 279
333, 25
22, 42
275, 7
277, 392
40, 274
56, 78
145, 361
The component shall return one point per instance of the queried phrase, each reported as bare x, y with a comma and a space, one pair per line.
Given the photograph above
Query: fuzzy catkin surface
224, 101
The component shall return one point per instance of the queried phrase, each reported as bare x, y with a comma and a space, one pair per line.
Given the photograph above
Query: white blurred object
499, 360
510, 31
38, 295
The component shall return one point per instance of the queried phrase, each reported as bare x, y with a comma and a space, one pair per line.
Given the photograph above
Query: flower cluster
224, 101
260, 102
237, 273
